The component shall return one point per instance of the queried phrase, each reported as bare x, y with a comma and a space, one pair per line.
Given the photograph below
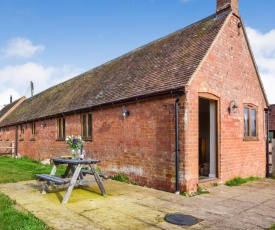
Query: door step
209, 182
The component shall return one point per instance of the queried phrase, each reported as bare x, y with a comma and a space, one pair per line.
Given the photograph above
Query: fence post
12, 149
273, 158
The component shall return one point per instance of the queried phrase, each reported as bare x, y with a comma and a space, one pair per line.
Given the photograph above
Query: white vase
73, 153
82, 154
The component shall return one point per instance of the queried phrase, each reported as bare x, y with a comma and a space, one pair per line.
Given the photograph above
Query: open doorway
207, 138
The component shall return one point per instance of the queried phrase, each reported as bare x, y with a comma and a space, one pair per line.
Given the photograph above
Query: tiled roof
9, 107
165, 64
6, 108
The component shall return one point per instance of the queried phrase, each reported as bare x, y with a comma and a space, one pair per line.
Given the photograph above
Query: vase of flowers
75, 144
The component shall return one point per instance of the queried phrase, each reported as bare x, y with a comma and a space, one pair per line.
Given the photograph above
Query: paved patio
250, 206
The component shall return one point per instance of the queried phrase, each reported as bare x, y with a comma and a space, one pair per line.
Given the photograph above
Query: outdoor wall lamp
24, 126
234, 107
43, 125
125, 112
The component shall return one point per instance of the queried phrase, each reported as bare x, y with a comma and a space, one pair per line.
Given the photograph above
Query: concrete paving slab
250, 206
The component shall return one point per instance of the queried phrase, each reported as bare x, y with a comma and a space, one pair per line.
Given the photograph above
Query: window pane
253, 122
84, 126
33, 128
59, 127
21, 129
89, 125
246, 122
64, 128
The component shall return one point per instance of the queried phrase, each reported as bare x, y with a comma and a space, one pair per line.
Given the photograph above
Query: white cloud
21, 47
5, 96
19, 74
263, 47
16, 79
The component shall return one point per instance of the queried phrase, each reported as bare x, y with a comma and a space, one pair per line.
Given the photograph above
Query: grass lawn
14, 170
11, 219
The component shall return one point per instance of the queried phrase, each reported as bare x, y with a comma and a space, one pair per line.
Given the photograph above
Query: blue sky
50, 41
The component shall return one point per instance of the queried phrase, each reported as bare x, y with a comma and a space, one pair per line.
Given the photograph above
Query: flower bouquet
75, 143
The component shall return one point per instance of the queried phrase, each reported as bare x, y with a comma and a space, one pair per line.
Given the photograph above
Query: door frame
209, 96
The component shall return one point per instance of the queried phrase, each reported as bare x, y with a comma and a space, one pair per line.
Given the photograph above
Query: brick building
181, 110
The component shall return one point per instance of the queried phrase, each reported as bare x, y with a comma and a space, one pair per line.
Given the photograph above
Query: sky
50, 41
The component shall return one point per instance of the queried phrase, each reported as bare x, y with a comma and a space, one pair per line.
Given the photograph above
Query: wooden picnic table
75, 167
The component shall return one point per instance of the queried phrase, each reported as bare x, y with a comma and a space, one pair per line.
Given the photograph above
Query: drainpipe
177, 142
267, 141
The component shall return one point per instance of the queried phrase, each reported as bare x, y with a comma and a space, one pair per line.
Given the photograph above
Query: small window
87, 126
33, 131
250, 122
22, 131
61, 128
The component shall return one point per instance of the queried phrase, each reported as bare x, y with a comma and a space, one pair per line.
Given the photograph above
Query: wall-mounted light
234, 107
239, 24
125, 112
43, 125
24, 126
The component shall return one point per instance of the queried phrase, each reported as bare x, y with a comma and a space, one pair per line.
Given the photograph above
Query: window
22, 131
87, 126
33, 131
61, 128
7, 132
250, 122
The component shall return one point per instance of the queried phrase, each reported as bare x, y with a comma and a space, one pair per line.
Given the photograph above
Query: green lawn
13, 170
11, 219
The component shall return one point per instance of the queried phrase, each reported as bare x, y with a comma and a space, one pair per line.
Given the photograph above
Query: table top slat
75, 161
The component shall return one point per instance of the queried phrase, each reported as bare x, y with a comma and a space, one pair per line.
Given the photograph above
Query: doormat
181, 219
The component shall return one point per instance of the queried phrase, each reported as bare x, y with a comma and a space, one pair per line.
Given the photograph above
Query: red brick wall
141, 146
228, 73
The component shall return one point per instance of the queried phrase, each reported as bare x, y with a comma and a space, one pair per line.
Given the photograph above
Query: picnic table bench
76, 178
105, 176
49, 178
